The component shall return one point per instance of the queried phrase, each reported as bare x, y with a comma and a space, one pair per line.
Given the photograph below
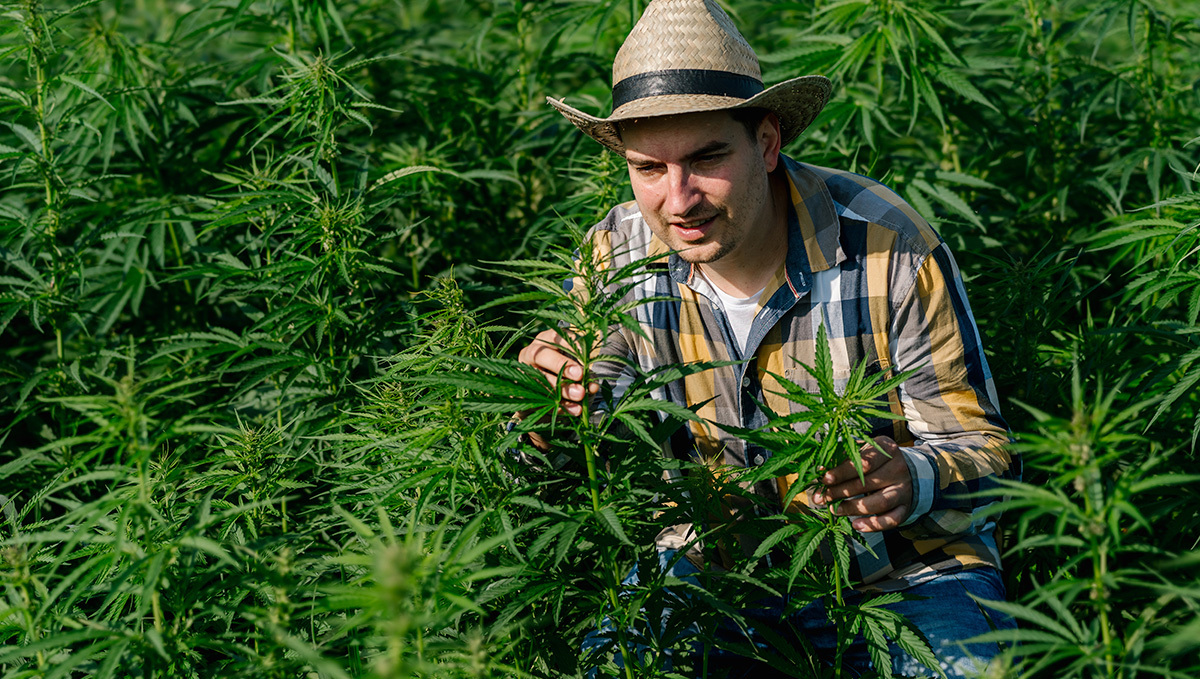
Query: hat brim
797, 102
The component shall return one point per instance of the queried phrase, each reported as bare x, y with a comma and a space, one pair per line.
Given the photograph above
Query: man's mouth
693, 229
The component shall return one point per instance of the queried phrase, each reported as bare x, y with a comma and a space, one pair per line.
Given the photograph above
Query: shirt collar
816, 220
814, 232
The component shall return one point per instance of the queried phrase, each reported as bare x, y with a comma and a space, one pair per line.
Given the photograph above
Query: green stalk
187, 284
526, 65
589, 454
1035, 25
156, 607
837, 595
420, 646
39, 67
47, 152
831, 521
1091, 487
837, 584
30, 628
1099, 568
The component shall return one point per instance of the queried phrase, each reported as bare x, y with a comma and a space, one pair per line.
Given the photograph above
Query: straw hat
686, 56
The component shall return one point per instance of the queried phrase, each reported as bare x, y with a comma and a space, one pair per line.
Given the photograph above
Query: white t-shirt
739, 311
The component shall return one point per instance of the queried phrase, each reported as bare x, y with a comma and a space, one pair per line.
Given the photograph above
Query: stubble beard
693, 253
730, 233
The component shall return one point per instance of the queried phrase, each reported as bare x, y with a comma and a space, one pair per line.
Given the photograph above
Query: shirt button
758, 460
745, 381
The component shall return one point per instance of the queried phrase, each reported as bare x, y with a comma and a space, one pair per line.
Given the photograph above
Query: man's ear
770, 140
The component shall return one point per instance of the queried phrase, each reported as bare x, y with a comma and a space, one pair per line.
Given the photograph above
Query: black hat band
685, 81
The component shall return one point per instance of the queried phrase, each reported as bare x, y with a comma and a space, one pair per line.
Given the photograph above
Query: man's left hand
886, 494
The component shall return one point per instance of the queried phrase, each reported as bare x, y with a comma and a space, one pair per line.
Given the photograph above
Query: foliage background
237, 235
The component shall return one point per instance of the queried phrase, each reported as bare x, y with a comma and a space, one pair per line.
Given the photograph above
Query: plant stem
47, 151
156, 607
526, 65
187, 284
420, 645
30, 627
837, 584
589, 453
837, 595
1099, 568
837, 567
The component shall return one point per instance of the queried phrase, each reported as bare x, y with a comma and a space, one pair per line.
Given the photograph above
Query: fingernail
574, 372
576, 391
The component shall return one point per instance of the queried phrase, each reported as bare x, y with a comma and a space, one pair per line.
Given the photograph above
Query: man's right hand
546, 353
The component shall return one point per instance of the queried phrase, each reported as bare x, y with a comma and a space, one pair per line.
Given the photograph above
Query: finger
560, 370
879, 502
549, 352
845, 471
551, 336
893, 472
839, 492
871, 457
839, 474
552, 362
572, 392
889, 446
886, 521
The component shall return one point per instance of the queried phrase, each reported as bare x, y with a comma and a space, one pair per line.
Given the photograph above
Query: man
763, 252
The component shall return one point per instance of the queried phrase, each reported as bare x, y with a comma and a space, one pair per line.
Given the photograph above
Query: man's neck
749, 268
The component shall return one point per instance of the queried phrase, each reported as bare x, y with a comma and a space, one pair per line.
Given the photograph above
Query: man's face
700, 180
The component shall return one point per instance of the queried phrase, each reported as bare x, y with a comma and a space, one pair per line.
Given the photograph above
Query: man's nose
682, 193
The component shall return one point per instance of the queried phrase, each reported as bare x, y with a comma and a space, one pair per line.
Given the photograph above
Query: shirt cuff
923, 484
520, 440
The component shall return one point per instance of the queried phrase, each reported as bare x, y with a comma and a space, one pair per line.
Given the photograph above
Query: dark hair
750, 118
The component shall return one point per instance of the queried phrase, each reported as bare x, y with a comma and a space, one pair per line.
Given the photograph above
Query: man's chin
704, 253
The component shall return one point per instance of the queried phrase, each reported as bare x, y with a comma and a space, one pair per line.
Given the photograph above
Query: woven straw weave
699, 35
685, 34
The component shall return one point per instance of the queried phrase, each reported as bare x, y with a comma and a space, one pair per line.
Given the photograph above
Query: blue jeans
946, 615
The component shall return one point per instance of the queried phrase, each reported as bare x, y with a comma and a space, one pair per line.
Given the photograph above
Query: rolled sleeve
924, 481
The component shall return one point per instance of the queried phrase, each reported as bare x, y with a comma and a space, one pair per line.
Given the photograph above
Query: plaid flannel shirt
863, 262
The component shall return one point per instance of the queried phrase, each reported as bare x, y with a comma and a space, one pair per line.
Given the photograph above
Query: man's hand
546, 354
887, 495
